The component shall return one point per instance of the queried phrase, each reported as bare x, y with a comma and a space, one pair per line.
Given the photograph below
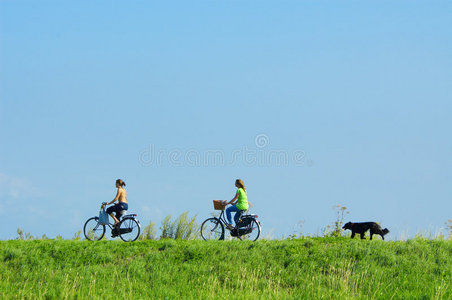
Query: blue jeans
237, 215
117, 207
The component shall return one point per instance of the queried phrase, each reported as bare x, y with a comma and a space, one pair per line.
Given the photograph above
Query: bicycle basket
103, 217
218, 205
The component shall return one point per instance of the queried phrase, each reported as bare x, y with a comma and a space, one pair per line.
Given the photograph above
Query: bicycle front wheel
92, 230
129, 229
212, 229
250, 232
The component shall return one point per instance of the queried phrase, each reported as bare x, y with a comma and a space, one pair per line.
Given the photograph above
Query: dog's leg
353, 234
362, 236
382, 236
371, 233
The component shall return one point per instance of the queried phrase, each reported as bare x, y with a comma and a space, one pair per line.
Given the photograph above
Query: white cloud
17, 188
146, 212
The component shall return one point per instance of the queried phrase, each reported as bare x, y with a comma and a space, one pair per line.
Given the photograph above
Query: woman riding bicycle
121, 197
240, 203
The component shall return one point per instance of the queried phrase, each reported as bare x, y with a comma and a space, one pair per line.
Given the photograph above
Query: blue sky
355, 96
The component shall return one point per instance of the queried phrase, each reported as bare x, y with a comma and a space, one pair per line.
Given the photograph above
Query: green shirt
242, 202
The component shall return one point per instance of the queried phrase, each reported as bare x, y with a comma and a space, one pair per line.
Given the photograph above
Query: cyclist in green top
239, 203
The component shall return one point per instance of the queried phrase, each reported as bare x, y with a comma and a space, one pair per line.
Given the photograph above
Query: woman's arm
116, 198
233, 199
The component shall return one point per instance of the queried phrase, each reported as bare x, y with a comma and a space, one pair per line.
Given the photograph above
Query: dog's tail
385, 231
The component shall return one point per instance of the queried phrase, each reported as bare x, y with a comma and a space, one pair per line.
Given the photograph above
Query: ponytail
240, 183
120, 182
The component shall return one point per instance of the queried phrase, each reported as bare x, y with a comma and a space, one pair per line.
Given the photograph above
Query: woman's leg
228, 213
111, 210
114, 218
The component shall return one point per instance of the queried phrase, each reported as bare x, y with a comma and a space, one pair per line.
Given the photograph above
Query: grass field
307, 268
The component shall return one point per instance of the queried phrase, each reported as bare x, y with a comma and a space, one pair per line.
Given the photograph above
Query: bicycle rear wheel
129, 229
92, 230
251, 231
212, 229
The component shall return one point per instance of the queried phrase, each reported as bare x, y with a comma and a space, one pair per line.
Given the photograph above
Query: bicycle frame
222, 218
120, 219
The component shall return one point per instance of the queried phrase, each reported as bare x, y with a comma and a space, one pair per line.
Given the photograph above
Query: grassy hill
329, 268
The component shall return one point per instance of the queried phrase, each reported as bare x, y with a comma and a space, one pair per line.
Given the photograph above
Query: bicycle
128, 228
248, 228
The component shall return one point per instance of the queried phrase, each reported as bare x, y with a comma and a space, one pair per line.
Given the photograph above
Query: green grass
327, 268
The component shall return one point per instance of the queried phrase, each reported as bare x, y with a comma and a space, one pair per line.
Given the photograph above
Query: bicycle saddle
120, 213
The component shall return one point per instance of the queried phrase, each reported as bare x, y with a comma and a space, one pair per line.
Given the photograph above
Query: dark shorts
117, 207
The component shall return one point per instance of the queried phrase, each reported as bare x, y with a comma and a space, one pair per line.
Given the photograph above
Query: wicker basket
218, 204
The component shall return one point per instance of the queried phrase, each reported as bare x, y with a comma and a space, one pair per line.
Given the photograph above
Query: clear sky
311, 103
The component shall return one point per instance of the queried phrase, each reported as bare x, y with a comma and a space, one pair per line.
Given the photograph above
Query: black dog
361, 228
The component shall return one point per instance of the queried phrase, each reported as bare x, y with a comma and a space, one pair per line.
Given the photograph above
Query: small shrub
186, 228
183, 228
449, 228
296, 235
336, 228
21, 235
149, 232
167, 228
77, 235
